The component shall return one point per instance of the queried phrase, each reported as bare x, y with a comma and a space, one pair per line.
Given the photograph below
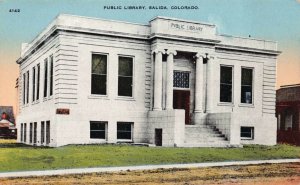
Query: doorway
158, 137
181, 100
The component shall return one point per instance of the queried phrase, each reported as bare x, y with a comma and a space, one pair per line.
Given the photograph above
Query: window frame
38, 82
252, 86
24, 89
33, 84
51, 73
232, 84
48, 133
45, 92
182, 88
42, 132
251, 132
105, 129
27, 87
133, 79
107, 76
131, 131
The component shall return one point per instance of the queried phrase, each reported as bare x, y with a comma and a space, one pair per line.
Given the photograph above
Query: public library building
170, 82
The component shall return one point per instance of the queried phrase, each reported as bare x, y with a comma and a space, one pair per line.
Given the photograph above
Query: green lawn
18, 157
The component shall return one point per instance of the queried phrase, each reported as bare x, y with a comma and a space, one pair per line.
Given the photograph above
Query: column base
199, 118
156, 109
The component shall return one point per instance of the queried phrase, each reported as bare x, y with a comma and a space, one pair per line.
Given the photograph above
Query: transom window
125, 74
226, 84
99, 74
247, 132
124, 130
246, 86
98, 129
181, 79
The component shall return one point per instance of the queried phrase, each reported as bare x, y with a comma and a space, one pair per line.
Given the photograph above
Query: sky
277, 20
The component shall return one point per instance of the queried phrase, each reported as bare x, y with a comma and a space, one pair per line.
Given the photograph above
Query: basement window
124, 131
247, 133
98, 129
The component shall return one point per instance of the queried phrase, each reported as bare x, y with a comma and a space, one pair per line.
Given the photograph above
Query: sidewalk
144, 167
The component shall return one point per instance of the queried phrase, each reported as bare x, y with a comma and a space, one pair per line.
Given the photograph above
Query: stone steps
204, 136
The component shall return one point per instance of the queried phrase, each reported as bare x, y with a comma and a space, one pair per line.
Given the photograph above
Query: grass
18, 157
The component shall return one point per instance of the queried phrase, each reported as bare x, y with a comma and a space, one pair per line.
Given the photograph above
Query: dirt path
271, 174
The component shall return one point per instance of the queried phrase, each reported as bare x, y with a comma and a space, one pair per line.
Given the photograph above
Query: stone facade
176, 85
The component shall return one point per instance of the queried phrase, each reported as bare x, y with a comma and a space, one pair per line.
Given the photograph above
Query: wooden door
181, 100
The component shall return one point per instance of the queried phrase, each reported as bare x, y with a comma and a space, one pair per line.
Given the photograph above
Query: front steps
204, 136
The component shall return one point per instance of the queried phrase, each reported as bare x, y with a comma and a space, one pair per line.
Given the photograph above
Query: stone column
199, 84
158, 79
169, 85
210, 85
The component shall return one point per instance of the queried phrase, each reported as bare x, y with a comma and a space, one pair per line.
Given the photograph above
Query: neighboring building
7, 123
171, 82
288, 114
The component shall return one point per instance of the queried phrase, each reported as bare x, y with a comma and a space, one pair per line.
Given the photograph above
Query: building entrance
181, 100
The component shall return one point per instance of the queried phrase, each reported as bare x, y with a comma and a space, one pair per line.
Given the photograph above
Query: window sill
226, 104
94, 96
98, 139
124, 140
125, 98
246, 105
247, 138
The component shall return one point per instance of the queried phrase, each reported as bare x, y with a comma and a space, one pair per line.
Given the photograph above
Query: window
21, 132
27, 87
125, 76
226, 84
247, 132
51, 75
99, 74
42, 132
98, 130
181, 79
33, 84
45, 77
34, 132
25, 132
30, 133
246, 87
38, 82
47, 132
124, 130
24, 89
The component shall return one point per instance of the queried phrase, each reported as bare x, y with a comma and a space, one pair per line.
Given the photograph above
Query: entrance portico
197, 77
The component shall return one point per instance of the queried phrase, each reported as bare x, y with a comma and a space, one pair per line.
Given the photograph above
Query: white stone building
171, 82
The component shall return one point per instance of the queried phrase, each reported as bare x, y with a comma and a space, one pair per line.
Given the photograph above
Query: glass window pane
97, 130
246, 86
226, 74
226, 93
99, 64
125, 86
124, 130
181, 79
98, 84
246, 76
246, 94
125, 66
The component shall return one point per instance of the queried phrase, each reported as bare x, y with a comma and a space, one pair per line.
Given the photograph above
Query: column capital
200, 55
173, 52
158, 51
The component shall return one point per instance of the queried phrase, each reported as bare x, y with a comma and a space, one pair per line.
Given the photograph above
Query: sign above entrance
185, 27
171, 27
